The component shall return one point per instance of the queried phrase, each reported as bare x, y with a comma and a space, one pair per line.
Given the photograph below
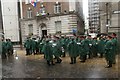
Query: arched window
29, 13
57, 8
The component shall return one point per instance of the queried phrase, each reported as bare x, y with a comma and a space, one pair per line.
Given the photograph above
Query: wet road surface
34, 66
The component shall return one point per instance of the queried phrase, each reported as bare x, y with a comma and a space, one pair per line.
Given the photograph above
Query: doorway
44, 32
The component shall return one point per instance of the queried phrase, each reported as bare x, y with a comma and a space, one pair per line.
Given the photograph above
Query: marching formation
83, 47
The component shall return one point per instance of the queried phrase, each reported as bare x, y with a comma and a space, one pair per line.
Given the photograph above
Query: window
57, 8
42, 10
30, 28
58, 26
29, 13
27, 1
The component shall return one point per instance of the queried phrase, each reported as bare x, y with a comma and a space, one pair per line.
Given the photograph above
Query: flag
34, 2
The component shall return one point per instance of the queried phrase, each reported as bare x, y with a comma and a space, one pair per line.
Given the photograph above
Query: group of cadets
7, 48
83, 47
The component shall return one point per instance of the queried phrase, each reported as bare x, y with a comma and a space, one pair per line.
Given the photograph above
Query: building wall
10, 19
93, 7
69, 21
49, 9
113, 17
1, 26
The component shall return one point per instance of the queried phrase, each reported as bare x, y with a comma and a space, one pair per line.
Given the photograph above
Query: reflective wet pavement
34, 66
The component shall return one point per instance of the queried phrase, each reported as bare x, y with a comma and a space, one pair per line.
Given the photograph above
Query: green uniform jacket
33, 45
94, 46
3, 49
114, 41
85, 47
41, 44
56, 47
109, 51
101, 46
73, 49
9, 45
47, 50
27, 44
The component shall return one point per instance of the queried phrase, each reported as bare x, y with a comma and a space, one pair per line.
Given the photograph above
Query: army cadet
73, 51
114, 41
63, 45
9, 47
27, 45
47, 50
4, 56
90, 54
94, 46
109, 52
57, 51
101, 46
41, 44
85, 49
33, 46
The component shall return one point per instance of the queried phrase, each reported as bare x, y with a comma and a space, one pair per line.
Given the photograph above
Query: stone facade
109, 17
65, 22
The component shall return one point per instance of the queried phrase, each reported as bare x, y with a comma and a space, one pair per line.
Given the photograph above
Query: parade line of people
83, 47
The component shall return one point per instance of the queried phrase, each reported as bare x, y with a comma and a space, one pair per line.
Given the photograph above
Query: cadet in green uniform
109, 52
101, 46
33, 46
3, 50
73, 51
90, 54
114, 41
9, 47
85, 49
41, 44
57, 51
62, 41
94, 47
47, 50
27, 45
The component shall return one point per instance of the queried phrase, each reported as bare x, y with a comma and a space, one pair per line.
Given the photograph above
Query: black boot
101, 55
71, 61
109, 64
52, 63
48, 62
74, 60
63, 54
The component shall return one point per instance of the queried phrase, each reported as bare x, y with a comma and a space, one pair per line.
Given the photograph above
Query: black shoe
27, 54
108, 66
71, 63
52, 63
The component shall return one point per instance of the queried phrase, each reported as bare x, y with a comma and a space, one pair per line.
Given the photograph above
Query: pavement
34, 66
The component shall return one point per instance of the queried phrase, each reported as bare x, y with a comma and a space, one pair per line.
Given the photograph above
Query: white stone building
60, 17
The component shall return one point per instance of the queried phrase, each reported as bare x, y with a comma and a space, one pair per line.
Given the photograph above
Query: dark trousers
50, 62
101, 55
64, 54
58, 60
110, 63
27, 51
4, 56
73, 59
